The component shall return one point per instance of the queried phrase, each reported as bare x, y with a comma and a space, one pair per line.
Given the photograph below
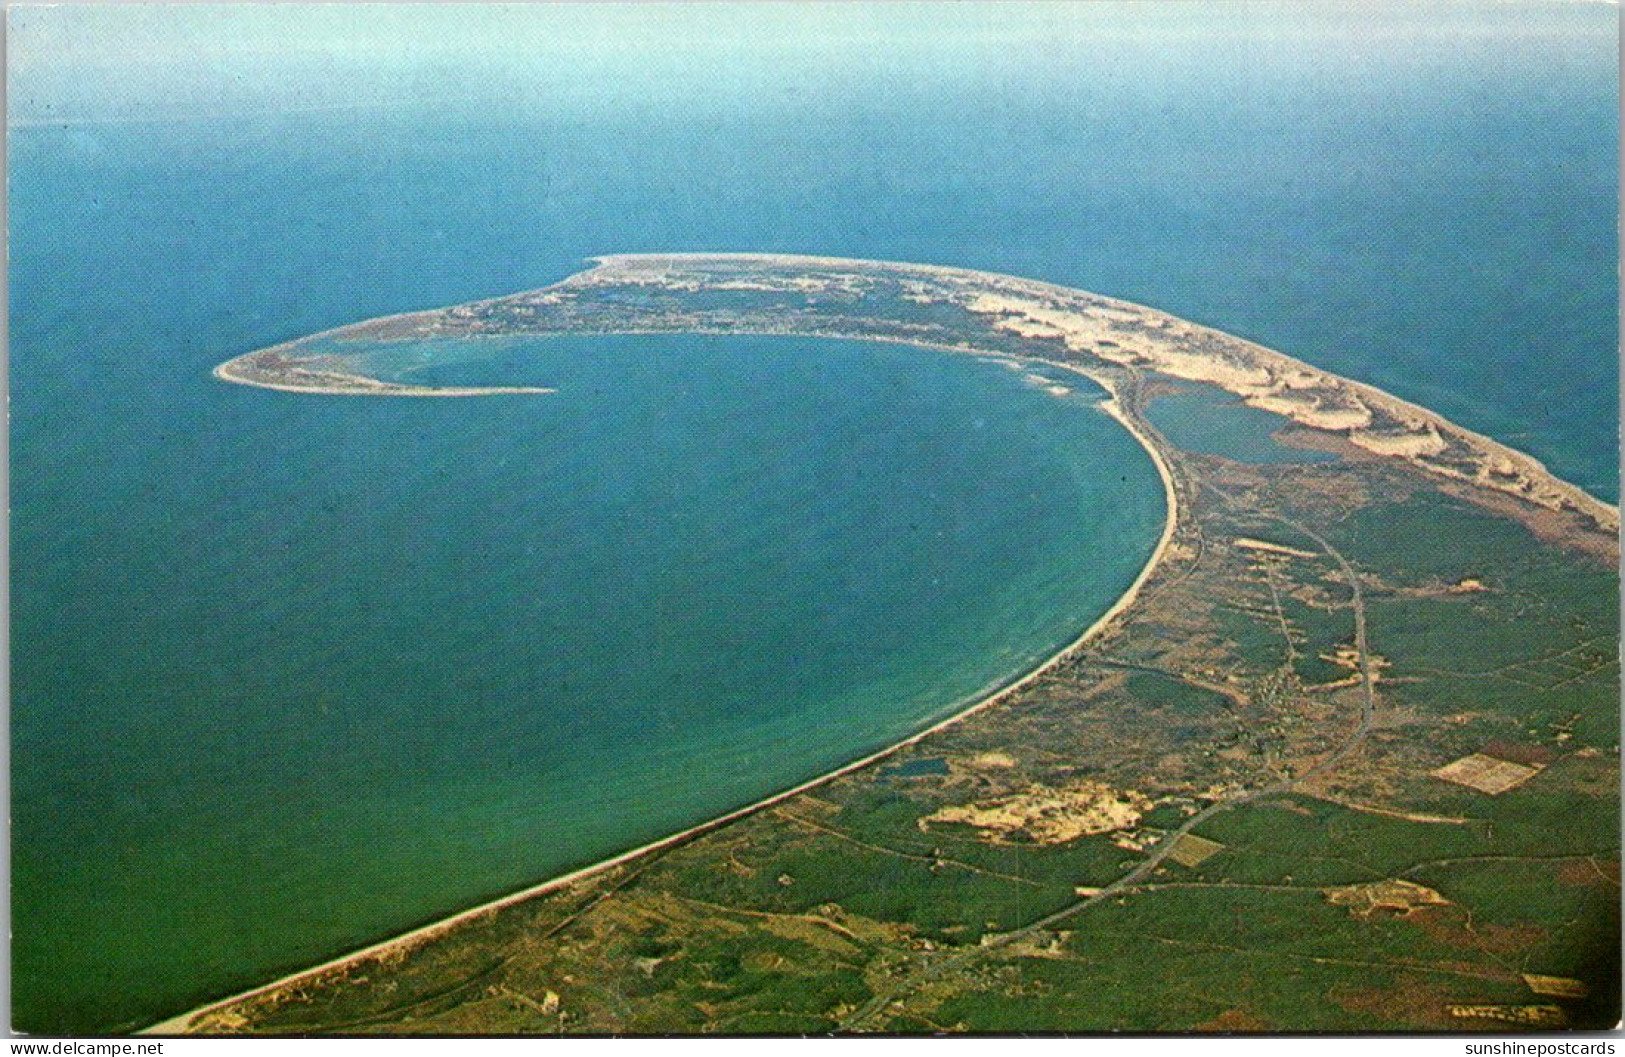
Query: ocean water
292, 673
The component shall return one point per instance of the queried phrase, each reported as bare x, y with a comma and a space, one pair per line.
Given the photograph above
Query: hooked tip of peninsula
1087, 330
268, 369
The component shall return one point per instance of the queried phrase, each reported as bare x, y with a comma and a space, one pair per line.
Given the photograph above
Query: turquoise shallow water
336, 659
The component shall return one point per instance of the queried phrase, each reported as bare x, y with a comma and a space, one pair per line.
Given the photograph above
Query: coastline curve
1109, 341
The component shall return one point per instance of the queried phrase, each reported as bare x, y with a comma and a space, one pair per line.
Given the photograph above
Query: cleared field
1486, 773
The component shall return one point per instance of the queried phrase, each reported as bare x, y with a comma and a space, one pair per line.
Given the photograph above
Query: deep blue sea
292, 673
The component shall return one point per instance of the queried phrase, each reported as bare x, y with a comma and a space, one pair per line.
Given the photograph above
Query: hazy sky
131, 62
